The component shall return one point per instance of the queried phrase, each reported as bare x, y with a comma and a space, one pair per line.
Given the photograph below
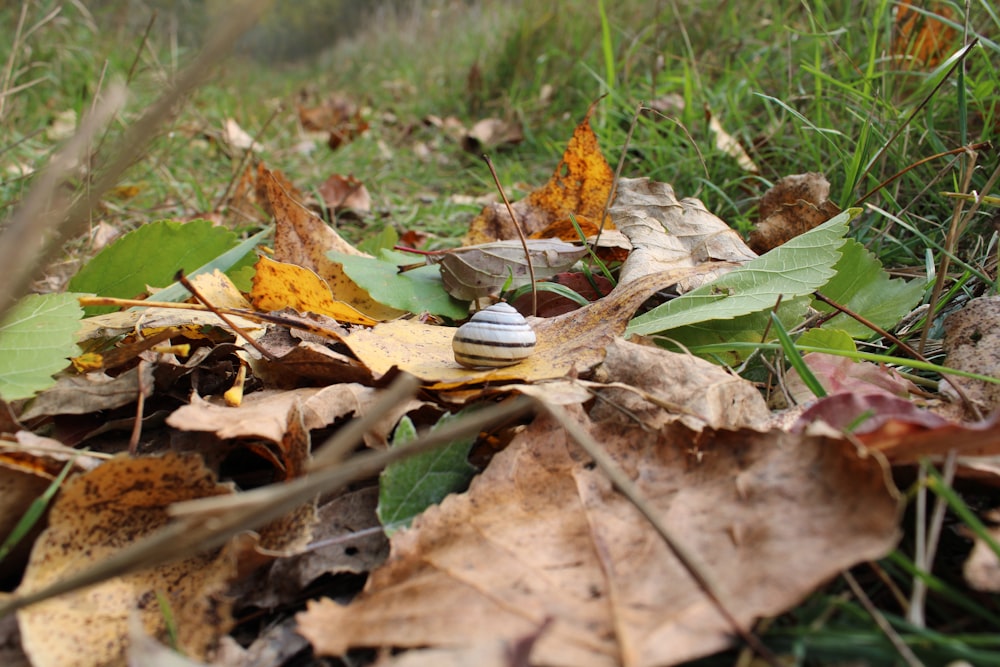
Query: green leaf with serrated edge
796, 268
150, 256
863, 287
742, 329
416, 291
37, 337
831, 339
410, 486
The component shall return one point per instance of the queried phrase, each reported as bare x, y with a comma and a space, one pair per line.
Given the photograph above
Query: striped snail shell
494, 337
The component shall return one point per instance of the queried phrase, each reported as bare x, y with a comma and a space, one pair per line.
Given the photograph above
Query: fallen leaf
97, 514
840, 374
793, 206
667, 234
728, 144
658, 387
972, 343
341, 193
489, 134
541, 535
83, 394
982, 568
923, 40
265, 414
570, 343
280, 285
236, 137
580, 185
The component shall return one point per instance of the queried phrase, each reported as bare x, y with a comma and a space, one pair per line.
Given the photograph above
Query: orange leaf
579, 186
924, 40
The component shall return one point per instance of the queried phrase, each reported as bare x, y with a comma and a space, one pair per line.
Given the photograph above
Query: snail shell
494, 337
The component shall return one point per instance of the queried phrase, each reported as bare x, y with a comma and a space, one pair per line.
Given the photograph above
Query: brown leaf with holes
580, 186
541, 534
793, 206
97, 514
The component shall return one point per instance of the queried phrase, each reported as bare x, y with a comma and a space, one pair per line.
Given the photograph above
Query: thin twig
520, 234
182, 279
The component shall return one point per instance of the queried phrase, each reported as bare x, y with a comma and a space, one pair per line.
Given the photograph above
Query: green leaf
150, 256
833, 339
410, 486
384, 240
417, 291
794, 269
37, 337
863, 286
743, 329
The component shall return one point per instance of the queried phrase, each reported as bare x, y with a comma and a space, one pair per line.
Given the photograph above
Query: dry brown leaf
265, 414
149, 320
300, 236
97, 514
972, 343
345, 192
793, 206
83, 394
570, 343
490, 134
280, 285
580, 185
729, 145
542, 535
668, 234
284, 581
658, 387
982, 568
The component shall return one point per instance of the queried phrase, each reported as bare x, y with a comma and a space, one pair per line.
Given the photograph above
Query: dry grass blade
35, 222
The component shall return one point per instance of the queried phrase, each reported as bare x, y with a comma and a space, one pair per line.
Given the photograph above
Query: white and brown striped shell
494, 337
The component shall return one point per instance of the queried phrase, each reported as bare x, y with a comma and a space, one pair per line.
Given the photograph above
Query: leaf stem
520, 234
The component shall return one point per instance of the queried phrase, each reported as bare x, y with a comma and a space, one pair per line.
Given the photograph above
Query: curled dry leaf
472, 272
345, 192
668, 234
97, 514
491, 133
580, 185
542, 535
840, 374
793, 206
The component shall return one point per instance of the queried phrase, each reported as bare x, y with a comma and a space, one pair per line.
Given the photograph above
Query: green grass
804, 86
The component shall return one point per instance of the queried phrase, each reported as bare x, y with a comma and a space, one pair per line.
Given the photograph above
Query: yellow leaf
277, 285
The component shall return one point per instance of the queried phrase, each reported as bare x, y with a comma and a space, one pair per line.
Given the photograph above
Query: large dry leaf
669, 234
541, 535
97, 514
579, 186
570, 343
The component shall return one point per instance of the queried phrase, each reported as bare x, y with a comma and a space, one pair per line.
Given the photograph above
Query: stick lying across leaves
209, 523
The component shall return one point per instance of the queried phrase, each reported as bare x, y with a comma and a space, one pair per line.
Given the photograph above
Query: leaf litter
541, 552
